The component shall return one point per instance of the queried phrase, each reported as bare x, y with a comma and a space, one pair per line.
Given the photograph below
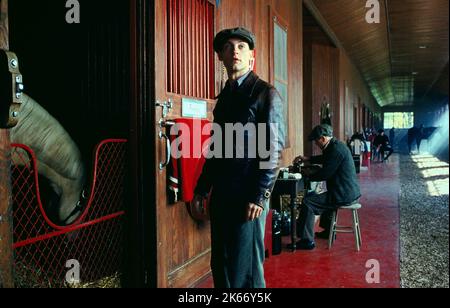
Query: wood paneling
320, 78
440, 88
183, 245
321, 86
189, 69
388, 53
6, 239
142, 247
254, 15
179, 239
357, 93
413, 24
366, 44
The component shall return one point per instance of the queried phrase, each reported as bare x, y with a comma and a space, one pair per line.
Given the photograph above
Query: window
279, 62
190, 34
398, 119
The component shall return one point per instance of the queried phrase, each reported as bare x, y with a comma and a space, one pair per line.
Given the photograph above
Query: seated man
381, 144
338, 170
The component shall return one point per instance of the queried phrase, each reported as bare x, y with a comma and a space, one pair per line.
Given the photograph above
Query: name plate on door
193, 108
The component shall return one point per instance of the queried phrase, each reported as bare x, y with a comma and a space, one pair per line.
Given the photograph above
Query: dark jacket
339, 172
242, 179
382, 140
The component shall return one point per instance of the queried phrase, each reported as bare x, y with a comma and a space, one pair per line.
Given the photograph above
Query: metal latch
11, 89
163, 123
166, 107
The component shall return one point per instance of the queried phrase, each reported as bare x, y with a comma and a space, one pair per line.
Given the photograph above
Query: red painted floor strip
343, 266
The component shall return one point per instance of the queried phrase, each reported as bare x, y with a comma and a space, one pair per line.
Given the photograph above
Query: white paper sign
192, 108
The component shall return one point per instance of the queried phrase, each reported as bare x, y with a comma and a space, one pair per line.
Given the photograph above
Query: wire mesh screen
48, 255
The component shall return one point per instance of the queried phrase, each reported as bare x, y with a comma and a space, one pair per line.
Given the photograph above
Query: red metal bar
36, 180
40, 250
65, 230
91, 194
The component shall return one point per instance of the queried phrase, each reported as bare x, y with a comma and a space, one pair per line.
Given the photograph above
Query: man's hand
300, 159
198, 210
254, 211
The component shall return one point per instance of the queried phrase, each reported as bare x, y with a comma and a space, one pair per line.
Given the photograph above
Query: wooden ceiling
402, 57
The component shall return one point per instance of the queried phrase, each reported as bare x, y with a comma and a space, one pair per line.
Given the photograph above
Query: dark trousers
418, 142
237, 246
314, 204
385, 149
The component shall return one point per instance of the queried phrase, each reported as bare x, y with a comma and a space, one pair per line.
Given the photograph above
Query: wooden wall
356, 96
320, 80
183, 245
254, 15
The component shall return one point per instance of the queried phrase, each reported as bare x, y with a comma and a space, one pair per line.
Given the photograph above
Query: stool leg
332, 235
359, 229
355, 229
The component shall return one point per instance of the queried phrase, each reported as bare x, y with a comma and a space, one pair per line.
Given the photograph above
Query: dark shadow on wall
77, 72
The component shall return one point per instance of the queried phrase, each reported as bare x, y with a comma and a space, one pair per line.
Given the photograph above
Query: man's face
318, 142
237, 56
321, 142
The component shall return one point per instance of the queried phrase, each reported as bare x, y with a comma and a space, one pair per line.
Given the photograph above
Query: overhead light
423, 47
415, 73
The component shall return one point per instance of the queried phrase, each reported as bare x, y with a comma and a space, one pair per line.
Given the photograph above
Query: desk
291, 187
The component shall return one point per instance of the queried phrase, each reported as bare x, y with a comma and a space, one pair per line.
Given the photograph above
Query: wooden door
184, 67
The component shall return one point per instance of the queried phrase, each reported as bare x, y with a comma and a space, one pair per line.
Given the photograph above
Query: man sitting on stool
338, 170
381, 144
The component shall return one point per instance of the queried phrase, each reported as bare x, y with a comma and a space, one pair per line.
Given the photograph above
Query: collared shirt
242, 78
234, 84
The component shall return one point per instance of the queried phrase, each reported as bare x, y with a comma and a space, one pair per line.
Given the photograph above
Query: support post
6, 238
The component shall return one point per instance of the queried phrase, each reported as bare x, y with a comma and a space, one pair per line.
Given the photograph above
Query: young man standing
241, 186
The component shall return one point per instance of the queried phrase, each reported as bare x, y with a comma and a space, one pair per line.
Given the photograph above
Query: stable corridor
343, 266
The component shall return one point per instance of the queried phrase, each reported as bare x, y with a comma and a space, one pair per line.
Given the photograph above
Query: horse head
58, 158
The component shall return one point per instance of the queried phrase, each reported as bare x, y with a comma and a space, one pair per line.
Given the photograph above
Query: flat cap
321, 130
223, 36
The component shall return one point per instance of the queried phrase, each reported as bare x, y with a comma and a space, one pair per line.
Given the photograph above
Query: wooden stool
355, 228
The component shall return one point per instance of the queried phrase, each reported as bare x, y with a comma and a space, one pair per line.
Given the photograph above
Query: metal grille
95, 240
190, 55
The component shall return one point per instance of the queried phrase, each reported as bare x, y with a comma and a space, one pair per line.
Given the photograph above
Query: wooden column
6, 241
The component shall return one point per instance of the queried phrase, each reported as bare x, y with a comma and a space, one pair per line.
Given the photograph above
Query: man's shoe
303, 245
323, 235
306, 245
